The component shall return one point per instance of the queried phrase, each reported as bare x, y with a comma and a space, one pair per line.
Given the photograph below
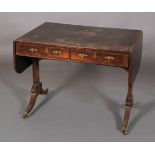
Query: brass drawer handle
83, 55
33, 50
56, 52
109, 58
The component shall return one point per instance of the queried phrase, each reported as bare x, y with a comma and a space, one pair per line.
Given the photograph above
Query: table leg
128, 105
36, 88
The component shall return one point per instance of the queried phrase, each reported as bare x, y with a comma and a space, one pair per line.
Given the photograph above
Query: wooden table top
84, 37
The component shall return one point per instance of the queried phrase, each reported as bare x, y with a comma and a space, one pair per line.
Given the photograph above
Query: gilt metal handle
83, 55
109, 58
56, 52
33, 50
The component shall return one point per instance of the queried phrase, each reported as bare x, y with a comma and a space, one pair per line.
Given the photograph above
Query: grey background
85, 102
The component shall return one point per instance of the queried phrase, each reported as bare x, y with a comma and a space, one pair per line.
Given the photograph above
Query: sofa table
102, 46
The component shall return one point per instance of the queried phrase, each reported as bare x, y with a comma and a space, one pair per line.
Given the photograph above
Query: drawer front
83, 56
58, 52
42, 51
103, 58
110, 59
32, 50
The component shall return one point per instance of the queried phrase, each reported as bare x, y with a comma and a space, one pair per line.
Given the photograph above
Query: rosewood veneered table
103, 46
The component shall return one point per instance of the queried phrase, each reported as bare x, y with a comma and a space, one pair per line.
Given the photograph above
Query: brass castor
124, 130
25, 115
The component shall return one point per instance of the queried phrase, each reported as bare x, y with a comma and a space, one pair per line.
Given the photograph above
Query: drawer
58, 52
82, 56
120, 60
31, 50
100, 57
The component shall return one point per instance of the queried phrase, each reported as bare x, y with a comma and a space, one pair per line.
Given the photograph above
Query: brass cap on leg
124, 130
25, 115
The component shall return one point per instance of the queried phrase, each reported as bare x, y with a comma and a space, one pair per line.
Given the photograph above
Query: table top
84, 37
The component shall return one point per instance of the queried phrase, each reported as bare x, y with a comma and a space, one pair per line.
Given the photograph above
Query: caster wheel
25, 115
124, 130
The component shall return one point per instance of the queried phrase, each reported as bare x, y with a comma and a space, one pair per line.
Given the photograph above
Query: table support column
36, 87
128, 104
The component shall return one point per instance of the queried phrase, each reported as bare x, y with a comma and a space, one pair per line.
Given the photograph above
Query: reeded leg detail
124, 126
128, 106
36, 88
